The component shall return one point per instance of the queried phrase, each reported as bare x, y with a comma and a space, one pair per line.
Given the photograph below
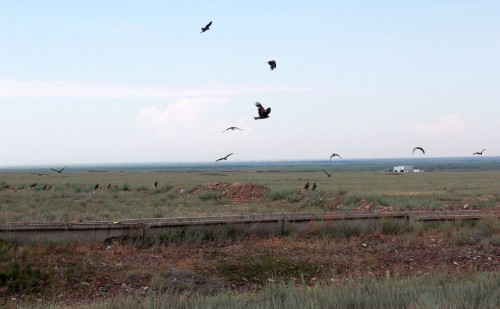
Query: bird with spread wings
263, 112
58, 171
207, 27
223, 158
272, 64
479, 152
232, 128
419, 148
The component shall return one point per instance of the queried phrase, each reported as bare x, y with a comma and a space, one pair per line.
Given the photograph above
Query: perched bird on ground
329, 174
272, 64
44, 187
58, 171
263, 112
306, 186
313, 187
96, 187
419, 148
223, 158
207, 27
479, 152
33, 185
108, 187
156, 184
335, 155
232, 128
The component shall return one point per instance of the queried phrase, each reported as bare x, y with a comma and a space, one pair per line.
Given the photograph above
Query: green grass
132, 194
433, 291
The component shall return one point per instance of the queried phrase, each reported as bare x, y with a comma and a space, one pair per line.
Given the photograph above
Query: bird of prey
58, 171
207, 27
223, 158
313, 187
96, 187
272, 64
156, 184
335, 155
329, 174
263, 112
479, 152
232, 128
306, 186
33, 185
419, 148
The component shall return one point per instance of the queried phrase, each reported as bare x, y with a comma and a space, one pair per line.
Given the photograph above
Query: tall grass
433, 291
132, 194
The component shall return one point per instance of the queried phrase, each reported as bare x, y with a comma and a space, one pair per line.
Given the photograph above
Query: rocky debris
188, 282
234, 191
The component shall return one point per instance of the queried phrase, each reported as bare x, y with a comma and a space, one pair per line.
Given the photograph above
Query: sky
84, 82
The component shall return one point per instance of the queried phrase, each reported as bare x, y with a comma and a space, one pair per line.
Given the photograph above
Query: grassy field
132, 194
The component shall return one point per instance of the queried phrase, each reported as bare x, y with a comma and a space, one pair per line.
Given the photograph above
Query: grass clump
265, 268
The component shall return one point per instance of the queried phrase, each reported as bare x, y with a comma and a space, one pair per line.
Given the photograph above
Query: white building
403, 169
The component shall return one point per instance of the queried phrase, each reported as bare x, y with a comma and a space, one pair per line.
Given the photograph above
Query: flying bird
329, 174
313, 187
232, 128
58, 171
223, 158
419, 148
207, 27
335, 155
479, 152
306, 186
272, 64
263, 112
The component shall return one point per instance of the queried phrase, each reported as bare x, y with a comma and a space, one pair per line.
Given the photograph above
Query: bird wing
229, 155
260, 109
208, 25
54, 169
326, 172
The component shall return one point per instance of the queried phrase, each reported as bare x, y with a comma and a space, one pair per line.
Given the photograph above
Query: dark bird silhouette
223, 158
207, 27
329, 174
479, 152
232, 128
33, 185
263, 112
44, 187
108, 187
419, 148
313, 187
306, 186
272, 64
156, 184
39, 174
96, 187
335, 155
58, 171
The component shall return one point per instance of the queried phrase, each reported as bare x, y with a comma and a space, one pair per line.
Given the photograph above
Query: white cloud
451, 124
75, 89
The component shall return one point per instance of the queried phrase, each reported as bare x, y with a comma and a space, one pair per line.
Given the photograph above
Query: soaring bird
223, 158
231, 128
58, 171
306, 186
313, 187
207, 27
479, 152
263, 112
419, 148
335, 155
272, 64
329, 174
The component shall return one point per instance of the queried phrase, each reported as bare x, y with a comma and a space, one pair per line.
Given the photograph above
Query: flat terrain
124, 195
191, 263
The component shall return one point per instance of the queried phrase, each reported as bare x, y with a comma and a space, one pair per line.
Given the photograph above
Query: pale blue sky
135, 81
